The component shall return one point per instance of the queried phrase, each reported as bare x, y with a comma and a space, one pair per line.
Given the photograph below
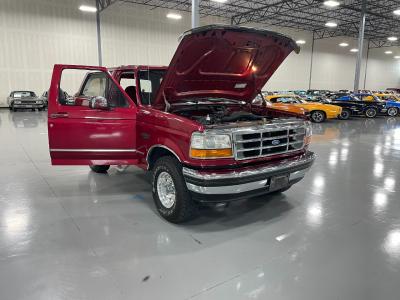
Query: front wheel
318, 116
393, 111
170, 194
99, 169
371, 112
345, 114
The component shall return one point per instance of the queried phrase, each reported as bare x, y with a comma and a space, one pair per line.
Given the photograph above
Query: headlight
307, 137
206, 145
17, 102
39, 102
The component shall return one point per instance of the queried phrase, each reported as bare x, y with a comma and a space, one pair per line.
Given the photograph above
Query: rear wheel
99, 169
171, 196
371, 112
318, 116
345, 114
393, 111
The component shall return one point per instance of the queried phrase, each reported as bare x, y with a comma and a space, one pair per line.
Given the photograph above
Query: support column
360, 46
99, 52
366, 65
312, 58
195, 13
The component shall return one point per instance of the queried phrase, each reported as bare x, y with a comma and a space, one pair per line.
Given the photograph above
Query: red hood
223, 61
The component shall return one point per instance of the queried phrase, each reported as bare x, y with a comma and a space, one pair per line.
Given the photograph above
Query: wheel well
156, 153
319, 111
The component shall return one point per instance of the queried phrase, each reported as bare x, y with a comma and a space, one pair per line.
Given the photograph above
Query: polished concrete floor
67, 233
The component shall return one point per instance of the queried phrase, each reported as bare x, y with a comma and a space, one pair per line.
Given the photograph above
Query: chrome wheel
318, 116
392, 111
166, 190
370, 113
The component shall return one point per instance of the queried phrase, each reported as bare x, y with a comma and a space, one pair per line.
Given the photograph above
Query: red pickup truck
196, 125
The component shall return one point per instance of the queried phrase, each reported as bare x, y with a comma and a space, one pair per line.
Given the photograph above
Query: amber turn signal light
211, 153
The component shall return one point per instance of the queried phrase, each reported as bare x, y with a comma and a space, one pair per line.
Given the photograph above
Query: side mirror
257, 101
99, 102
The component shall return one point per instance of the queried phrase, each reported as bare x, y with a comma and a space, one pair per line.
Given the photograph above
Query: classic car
300, 93
318, 112
316, 95
392, 103
24, 100
393, 90
367, 97
44, 97
281, 106
387, 96
353, 106
191, 124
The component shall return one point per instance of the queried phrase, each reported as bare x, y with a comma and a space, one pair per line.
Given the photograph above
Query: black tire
345, 114
14, 109
99, 169
371, 112
393, 111
183, 208
318, 116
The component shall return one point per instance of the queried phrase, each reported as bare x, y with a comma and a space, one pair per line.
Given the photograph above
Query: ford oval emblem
275, 142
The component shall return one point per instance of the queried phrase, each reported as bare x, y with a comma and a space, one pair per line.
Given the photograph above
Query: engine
216, 114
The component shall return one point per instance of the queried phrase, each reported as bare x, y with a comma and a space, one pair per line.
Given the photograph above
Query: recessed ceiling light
343, 44
397, 12
331, 3
331, 24
300, 42
392, 38
354, 50
220, 1
397, 57
388, 52
174, 16
87, 8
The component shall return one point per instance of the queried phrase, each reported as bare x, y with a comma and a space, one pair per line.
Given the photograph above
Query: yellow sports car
318, 112
387, 97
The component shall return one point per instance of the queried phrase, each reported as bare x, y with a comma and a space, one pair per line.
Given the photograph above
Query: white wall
36, 34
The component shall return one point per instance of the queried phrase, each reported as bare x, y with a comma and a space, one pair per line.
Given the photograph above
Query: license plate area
278, 182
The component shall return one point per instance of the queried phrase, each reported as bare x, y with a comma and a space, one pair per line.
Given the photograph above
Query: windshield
23, 94
287, 99
149, 83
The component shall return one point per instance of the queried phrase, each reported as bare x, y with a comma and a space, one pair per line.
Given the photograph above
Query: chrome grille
254, 144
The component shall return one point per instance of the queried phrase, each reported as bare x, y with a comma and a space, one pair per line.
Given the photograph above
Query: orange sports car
318, 112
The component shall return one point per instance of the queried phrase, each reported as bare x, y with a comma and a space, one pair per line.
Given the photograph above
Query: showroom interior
199, 149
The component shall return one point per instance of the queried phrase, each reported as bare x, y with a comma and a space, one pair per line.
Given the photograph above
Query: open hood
223, 61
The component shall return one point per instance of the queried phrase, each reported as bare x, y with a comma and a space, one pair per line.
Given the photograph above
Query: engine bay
215, 114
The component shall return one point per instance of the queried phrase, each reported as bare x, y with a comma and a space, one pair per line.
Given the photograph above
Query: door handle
59, 115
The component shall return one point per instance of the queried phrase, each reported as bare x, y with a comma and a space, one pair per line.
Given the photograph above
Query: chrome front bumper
28, 105
233, 185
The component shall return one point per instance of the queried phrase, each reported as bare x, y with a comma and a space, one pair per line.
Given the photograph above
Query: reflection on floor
66, 233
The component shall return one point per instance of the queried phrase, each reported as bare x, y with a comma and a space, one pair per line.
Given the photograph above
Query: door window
95, 84
150, 81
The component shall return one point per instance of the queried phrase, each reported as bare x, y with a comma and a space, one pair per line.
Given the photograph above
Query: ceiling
310, 15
